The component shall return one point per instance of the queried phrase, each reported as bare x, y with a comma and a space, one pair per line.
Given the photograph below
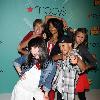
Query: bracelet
20, 74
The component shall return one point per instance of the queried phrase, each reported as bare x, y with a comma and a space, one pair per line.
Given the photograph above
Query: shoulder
27, 36
76, 52
83, 47
22, 58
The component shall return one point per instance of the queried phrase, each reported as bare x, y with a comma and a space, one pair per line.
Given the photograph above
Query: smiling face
52, 29
65, 47
35, 52
80, 37
38, 28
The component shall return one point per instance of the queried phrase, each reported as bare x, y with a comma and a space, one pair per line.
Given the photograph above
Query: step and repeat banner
16, 19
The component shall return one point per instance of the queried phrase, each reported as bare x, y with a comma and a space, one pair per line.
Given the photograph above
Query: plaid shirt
66, 78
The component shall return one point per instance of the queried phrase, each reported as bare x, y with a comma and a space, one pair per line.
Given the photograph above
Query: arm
81, 64
76, 60
57, 57
22, 47
87, 56
23, 44
21, 50
47, 76
46, 96
18, 63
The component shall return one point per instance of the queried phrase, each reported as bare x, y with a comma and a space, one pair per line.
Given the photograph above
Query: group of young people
52, 61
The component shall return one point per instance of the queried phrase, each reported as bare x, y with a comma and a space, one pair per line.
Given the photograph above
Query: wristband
20, 74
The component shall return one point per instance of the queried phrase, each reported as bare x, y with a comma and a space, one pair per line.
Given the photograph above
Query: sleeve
87, 56
76, 67
19, 61
55, 80
27, 37
47, 76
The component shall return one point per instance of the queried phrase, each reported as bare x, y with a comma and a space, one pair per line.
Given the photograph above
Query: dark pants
59, 96
81, 95
33, 98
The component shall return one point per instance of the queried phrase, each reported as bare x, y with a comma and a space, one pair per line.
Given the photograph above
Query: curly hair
58, 24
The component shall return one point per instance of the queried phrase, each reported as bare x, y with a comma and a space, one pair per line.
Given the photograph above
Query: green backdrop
16, 21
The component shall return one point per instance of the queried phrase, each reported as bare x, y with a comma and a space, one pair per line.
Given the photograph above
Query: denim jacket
20, 62
47, 73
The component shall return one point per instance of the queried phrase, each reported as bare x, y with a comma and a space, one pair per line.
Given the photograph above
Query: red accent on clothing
51, 95
38, 66
29, 35
49, 47
83, 83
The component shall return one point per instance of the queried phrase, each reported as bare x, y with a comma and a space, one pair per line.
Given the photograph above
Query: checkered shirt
66, 78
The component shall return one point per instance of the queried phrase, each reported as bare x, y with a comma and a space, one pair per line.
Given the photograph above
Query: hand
45, 98
57, 57
64, 23
73, 59
23, 77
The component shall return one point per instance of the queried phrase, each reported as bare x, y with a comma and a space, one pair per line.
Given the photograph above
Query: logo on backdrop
1, 42
47, 10
1, 70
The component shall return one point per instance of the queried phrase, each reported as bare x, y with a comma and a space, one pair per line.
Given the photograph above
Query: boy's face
65, 47
38, 28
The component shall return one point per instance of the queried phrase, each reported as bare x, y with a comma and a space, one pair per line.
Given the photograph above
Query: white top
32, 79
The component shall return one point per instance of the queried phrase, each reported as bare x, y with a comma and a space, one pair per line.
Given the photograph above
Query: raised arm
77, 60
23, 44
81, 64
50, 16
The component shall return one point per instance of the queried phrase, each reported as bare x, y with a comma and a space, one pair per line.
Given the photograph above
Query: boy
68, 70
36, 32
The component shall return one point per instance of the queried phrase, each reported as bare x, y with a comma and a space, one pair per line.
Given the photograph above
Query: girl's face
80, 37
52, 29
38, 28
35, 52
65, 48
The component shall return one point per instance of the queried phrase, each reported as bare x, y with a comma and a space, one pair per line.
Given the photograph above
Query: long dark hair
58, 24
43, 55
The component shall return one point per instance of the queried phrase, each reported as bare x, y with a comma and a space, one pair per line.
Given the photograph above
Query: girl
30, 69
80, 43
54, 31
